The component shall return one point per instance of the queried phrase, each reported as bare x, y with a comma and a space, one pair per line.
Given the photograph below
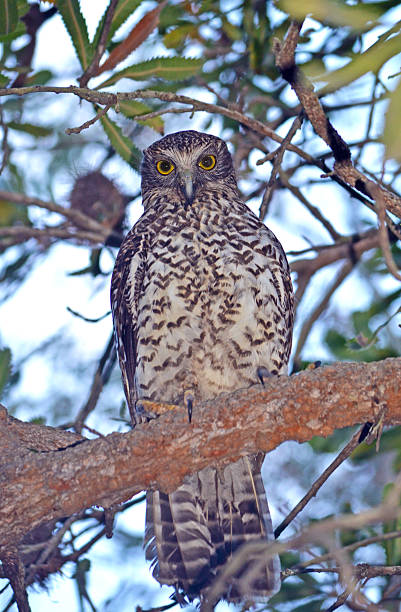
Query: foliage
220, 55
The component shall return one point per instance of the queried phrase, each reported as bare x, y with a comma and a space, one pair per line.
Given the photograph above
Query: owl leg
263, 373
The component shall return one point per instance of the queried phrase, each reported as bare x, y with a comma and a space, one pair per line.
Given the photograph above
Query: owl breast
213, 307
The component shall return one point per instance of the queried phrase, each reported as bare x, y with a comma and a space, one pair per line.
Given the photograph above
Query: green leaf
39, 78
169, 68
177, 36
5, 368
8, 16
133, 110
20, 30
369, 61
76, 27
358, 17
3, 80
124, 9
392, 129
120, 143
29, 128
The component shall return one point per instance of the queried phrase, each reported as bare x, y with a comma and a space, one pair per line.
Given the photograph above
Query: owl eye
164, 166
208, 162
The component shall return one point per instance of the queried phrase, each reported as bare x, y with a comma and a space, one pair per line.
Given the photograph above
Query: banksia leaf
137, 35
169, 68
76, 27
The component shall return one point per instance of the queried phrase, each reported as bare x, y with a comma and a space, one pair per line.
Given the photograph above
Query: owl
202, 304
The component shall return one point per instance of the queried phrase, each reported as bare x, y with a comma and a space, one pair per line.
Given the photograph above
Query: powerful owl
202, 304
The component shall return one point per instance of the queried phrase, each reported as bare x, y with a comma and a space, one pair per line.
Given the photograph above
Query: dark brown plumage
202, 304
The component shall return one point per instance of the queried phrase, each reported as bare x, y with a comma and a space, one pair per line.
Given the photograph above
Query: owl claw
189, 403
263, 373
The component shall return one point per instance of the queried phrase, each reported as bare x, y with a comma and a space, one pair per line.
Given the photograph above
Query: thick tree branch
40, 485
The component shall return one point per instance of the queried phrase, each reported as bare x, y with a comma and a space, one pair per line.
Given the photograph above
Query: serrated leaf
136, 37
5, 368
76, 27
120, 143
8, 16
124, 9
133, 110
29, 128
169, 68
392, 128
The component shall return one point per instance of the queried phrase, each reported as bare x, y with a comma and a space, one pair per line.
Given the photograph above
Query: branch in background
346, 452
100, 378
277, 159
92, 69
343, 167
351, 249
77, 217
101, 113
4, 144
320, 308
20, 233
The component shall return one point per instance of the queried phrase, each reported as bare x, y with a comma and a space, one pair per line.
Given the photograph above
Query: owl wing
126, 289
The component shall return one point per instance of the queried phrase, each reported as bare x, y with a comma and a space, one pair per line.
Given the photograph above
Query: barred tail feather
191, 533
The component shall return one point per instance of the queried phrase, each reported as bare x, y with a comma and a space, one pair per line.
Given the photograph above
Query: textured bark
39, 483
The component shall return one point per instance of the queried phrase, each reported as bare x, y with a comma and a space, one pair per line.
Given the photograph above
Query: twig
98, 383
4, 144
278, 158
341, 457
312, 209
88, 319
349, 548
383, 233
320, 308
87, 124
100, 49
79, 218
21, 233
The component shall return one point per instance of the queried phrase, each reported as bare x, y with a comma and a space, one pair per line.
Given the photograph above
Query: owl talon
189, 403
263, 373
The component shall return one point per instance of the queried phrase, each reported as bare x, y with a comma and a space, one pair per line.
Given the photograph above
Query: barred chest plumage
214, 300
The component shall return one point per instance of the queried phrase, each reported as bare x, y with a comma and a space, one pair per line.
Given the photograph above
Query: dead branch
42, 485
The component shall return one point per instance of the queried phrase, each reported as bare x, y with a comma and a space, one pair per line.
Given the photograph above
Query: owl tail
191, 533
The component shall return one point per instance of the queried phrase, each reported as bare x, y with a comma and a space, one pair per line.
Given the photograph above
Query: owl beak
187, 187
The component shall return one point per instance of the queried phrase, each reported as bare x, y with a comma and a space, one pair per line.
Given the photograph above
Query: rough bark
39, 483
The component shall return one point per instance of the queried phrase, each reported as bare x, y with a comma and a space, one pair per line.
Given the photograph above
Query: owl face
185, 164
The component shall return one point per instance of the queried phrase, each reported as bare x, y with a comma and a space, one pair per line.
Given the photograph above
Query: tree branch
41, 485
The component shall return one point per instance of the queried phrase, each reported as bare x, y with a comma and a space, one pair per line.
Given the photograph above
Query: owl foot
263, 373
146, 410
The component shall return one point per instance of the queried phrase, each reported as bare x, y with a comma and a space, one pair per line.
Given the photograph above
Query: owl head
186, 164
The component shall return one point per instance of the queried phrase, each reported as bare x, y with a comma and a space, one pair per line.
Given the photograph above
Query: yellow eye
164, 166
208, 162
